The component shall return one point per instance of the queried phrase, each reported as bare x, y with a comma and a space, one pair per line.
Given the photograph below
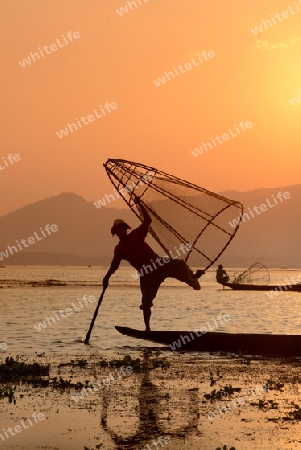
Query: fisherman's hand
105, 282
136, 199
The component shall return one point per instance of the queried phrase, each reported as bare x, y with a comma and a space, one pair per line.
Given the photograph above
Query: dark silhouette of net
181, 212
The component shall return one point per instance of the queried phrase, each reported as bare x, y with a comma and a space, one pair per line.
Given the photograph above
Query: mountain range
270, 235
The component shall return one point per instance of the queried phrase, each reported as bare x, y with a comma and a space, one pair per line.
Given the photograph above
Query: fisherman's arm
146, 217
113, 267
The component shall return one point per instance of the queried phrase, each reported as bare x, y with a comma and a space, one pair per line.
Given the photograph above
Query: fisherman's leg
149, 285
179, 270
147, 312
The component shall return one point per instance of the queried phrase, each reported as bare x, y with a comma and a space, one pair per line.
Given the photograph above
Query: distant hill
274, 236
84, 237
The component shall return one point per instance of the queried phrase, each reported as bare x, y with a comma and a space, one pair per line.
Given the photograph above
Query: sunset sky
116, 58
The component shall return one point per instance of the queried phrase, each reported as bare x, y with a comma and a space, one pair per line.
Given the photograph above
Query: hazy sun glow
116, 58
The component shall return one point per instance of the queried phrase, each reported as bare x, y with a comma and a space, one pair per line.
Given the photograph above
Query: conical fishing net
255, 274
181, 212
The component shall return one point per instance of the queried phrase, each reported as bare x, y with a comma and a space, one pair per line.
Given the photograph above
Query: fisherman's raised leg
178, 269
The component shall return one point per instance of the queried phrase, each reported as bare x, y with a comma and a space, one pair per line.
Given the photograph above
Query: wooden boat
258, 287
259, 344
255, 278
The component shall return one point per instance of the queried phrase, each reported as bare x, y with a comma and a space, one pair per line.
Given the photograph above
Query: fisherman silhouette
221, 275
133, 248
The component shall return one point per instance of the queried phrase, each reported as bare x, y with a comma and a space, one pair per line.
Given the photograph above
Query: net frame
246, 276
126, 173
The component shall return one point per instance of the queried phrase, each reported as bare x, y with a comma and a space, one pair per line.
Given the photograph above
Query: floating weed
81, 363
274, 386
226, 391
13, 370
265, 404
214, 380
63, 384
136, 364
9, 392
295, 414
225, 448
97, 447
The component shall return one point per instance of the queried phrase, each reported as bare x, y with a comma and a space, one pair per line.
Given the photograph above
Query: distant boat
256, 278
254, 344
259, 287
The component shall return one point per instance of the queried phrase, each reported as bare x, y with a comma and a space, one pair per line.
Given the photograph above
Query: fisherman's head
119, 228
220, 266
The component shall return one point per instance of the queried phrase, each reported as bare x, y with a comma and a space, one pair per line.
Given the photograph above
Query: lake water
27, 299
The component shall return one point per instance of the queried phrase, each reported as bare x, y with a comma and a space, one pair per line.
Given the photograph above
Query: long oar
94, 317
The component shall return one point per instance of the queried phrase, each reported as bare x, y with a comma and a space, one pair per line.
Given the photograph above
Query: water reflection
153, 410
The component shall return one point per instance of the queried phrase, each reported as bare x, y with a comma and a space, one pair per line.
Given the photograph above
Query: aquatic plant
225, 448
97, 447
226, 391
9, 392
295, 414
274, 385
136, 364
13, 370
214, 380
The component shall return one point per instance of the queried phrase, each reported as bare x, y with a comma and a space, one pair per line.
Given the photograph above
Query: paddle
95, 315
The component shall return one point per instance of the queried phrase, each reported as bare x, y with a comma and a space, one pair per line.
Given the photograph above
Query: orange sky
116, 59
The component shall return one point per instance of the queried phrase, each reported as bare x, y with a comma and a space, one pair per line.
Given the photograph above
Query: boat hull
254, 287
260, 344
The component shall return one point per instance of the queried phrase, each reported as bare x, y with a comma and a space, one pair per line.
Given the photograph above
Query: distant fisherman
133, 248
221, 275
